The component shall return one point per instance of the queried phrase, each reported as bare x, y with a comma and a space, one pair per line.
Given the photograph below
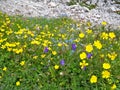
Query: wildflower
89, 55
77, 40
81, 35
46, 49
35, 42
89, 48
43, 55
56, 67
59, 44
89, 31
83, 55
74, 47
104, 35
112, 56
105, 74
35, 57
106, 66
104, 23
93, 79
113, 87
97, 44
83, 64
112, 35
5, 68
22, 63
61, 73
18, 83
54, 52
62, 62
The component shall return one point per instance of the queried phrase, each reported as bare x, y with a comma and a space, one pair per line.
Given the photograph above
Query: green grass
25, 65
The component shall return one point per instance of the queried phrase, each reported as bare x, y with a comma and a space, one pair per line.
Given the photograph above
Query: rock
56, 9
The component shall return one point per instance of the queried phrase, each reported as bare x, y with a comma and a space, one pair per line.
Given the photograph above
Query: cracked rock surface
30, 8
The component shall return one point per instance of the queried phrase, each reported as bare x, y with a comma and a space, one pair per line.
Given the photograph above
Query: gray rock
58, 9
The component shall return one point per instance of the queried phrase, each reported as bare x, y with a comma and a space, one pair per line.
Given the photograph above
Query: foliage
57, 54
82, 3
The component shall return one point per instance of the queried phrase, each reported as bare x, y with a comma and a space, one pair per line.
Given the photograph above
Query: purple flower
84, 68
89, 55
74, 47
62, 62
46, 49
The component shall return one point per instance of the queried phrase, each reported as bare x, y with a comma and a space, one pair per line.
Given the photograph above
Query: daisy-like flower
98, 44
106, 66
83, 55
89, 48
22, 63
56, 67
18, 83
113, 87
104, 35
112, 35
35, 57
83, 64
112, 55
104, 23
105, 74
43, 55
59, 44
5, 69
81, 35
54, 52
93, 79
89, 31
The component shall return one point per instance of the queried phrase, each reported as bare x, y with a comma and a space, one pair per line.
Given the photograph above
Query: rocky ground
56, 9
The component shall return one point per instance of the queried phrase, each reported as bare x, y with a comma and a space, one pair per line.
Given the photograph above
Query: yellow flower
77, 40
35, 57
89, 31
18, 83
93, 79
22, 63
35, 42
81, 35
97, 44
104, 35
112, 56
113, 87
56, 67
83, 55
112, 35
5, 68
89, 48
83, 64
43, 55
104, 23
59, 44
105, 74
106, 66
54, 52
